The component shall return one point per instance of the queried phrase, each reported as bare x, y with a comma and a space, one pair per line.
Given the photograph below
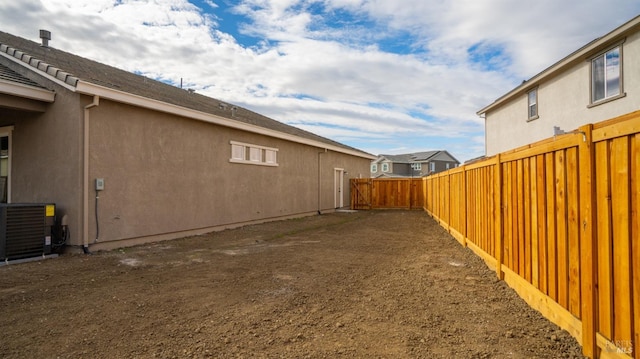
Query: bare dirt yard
378, 284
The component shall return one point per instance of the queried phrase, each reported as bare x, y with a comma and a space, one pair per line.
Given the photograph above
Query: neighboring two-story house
412, 164
597, 82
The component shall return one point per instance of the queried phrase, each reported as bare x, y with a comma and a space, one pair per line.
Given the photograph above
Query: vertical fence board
520, 199
635, 233
603, 208
498, 218
507, 204
573, 230
527, 220
552, 275
515, 250
534, 224
588, 249
542, 225
622, 311
561, 227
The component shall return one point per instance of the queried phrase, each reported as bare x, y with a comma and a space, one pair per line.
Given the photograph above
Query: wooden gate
387, 193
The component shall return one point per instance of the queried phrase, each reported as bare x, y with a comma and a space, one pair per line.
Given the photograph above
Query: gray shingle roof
9, 75
411, 157
71, 68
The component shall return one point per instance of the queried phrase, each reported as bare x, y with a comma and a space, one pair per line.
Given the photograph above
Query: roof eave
92, 89
25, 91
578, 55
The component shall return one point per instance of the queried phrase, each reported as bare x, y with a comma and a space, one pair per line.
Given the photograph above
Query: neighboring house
130, 160
412, 164
595, 83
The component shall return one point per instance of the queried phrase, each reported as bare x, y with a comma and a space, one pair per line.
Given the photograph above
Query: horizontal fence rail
558, 221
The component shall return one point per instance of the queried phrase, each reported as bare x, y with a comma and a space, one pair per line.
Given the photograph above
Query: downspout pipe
319, 181
85, 179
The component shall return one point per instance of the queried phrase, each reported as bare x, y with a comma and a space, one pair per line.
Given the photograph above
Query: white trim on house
131, 99
91, 89
338, 187
256, 156
26, 91
7, 131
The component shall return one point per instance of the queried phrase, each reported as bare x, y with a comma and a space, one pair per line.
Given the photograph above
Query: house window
385, 167
448, 165
432, 166
532, 99
374, 168
606, 79
253, 154
270, 156
416, 166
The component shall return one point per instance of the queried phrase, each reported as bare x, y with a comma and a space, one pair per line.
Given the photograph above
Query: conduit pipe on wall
85, 180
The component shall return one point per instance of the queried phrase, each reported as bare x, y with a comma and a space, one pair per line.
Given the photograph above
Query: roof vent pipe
45, 36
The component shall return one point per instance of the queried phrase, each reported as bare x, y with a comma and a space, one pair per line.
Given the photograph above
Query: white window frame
374, 168
246, 153
385, 167
7, 132
270, 156
532, 104
432, 166
416, 166
606, 97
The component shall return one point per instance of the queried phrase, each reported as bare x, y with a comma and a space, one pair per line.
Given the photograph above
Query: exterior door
338, 179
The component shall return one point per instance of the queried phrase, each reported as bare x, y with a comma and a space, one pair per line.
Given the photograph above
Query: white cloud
330, 74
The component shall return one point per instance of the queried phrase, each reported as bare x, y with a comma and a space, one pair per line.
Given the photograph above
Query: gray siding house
412, 164
127, 159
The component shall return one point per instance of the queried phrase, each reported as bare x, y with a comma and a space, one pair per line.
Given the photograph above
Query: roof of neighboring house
414, 157
579, 55
89, 77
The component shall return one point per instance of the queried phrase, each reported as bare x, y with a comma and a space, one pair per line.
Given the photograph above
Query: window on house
606, 75
270, 156
374, 168
448, 165
385, 167
432, 166
532, 99
253, 154
416, 166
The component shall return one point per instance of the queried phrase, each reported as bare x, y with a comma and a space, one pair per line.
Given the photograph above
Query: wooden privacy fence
558, 221
387, 193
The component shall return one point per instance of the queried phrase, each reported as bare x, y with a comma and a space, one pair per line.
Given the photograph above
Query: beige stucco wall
45, 150
166, 175
563, 101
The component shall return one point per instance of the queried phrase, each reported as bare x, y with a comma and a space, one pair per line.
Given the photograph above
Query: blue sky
387, 77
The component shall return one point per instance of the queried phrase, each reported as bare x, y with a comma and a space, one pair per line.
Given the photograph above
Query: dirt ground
379, 284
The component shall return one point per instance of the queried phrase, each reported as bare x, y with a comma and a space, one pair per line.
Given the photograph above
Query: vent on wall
25, 230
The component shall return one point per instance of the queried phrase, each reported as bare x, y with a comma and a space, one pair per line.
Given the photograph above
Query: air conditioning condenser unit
25, 230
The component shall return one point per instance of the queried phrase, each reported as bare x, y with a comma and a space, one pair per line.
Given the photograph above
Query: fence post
497, 200
588, 259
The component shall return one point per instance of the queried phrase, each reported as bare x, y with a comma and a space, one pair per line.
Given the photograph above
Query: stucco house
129, 160
597, 82
416, 164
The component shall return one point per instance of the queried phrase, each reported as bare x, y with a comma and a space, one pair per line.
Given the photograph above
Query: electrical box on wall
99, 184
